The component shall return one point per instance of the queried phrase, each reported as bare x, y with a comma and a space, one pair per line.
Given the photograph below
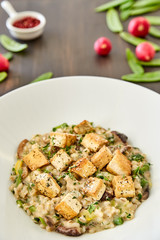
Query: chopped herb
63, 125
74, 197
57, 217
32, 142
118, 221
143, 182
129, 199
45, 147
91, 123
67, 148
111, 140
103, 177
128, 215
92, 207
136, 157
20, 203
32, 208
139, 196
53, 140
81, 223
19, 178
40, 219
144, 168
80, 140
46, 171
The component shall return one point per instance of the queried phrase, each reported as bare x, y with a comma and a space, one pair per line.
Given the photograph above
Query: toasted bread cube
95, 188
83, 127
47, 185
102, 157
123, 186
62, 139
35, 159
83, 167
93, 141
119, 165
69, 207
61, 160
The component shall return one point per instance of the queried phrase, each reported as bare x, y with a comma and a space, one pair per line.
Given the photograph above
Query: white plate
38, 107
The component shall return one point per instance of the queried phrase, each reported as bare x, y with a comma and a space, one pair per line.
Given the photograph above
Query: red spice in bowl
26, 22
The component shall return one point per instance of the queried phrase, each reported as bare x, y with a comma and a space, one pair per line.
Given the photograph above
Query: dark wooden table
66, 47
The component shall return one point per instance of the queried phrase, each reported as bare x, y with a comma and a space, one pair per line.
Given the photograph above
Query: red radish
139, 27
145, 51
4, 63
102, 46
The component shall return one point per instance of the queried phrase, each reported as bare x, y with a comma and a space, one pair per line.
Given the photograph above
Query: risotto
79, 178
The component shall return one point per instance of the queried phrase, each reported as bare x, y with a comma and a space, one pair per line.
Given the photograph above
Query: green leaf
12, 45
136, 157
44, 76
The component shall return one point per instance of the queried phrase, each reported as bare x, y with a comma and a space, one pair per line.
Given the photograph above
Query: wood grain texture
66, 47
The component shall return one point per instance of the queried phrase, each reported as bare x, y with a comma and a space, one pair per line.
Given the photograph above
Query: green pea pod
152, 63
124, 15
42, 77
153, 20
135, 40
143, 10
145, 77
155, 32
110, 4
3, 76
133, 62
126, 5
11, 45
144, 3
113, 21
8, 55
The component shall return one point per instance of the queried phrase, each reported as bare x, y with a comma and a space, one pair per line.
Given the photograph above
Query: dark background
66, 47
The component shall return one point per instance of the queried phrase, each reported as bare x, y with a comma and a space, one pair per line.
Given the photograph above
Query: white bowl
29, 33
38, 107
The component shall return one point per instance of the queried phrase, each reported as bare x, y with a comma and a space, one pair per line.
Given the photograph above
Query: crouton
35, 159
93, 141
102, 157
123, 186
83, 127
69, 207
61, 160
47, 185
83, 167
62, 139
95, 188
119, 165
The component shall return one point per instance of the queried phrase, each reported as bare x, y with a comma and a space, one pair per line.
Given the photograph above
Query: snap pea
135, 40
143, 10
124, 15
154, 20
8, 55
145, 77
110, 4
113, 21
126, 5
3, 76
152, 63
11, 45
144, 3
155, 32
133, 62
42, 77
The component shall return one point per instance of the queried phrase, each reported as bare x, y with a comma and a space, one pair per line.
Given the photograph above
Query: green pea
8, 55
155, 32
133, 62
118, 221
110, 4
11, 45
3, 76
152, 63
135, 40
124, 15
42, 77
126, 5
143, 10
153, 20
144, 3
145, 77
113, 21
